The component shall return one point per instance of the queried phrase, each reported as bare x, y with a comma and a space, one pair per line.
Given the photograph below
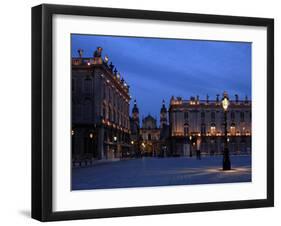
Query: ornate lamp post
226, 165
190, 146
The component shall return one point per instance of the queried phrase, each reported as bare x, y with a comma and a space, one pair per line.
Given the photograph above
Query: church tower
135, 114
163, 115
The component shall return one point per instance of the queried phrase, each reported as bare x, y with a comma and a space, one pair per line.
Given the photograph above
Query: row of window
115, 117
108, 94
150, 137
87, 86
213, 115
115, 99
213, 129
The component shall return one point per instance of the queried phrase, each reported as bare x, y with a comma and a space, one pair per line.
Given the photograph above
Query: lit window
185, 115
203, 129
213, 129
186, 129
232, 129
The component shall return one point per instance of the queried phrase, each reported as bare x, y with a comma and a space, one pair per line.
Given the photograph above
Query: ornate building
100, 109
199, 125
150, 135
149, 139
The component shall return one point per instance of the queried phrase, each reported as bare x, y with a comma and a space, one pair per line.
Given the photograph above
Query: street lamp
226, 165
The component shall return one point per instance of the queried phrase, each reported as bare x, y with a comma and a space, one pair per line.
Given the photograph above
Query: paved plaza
145, 172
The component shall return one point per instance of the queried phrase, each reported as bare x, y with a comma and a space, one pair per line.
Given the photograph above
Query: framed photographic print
146, 112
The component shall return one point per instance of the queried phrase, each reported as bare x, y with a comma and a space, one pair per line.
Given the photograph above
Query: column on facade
101, 142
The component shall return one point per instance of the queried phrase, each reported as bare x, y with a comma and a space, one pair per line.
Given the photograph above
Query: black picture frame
42, 111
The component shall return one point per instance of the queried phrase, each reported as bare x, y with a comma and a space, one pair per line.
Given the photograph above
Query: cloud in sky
157, 68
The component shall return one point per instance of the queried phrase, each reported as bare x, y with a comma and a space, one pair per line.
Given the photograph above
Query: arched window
186, 129
203, 128
213, 116
232, 115
149, 136
88, 85
114, 116
232, 129
213, 129
87, 110
109, 114
185, 115
202, 115
242, 116
104, 111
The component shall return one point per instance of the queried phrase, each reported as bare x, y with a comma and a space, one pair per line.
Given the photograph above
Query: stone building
100, 109
151, 139
199, 125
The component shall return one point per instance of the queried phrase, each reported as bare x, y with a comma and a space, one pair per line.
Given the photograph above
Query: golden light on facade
91, 135
213, 130
115, 138
225, 102
132, 142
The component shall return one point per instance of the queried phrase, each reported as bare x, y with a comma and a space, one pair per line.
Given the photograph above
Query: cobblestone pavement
160, 172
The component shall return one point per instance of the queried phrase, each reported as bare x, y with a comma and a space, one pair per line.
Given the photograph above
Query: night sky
156, 69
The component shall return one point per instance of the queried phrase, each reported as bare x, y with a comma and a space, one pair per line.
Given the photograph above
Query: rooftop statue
80, 52
98, 52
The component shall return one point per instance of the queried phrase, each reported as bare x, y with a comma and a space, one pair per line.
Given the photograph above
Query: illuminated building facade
100, 109
199, 125
148, 139
150, 136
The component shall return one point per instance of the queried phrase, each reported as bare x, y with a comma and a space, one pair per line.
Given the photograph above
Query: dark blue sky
156, 69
